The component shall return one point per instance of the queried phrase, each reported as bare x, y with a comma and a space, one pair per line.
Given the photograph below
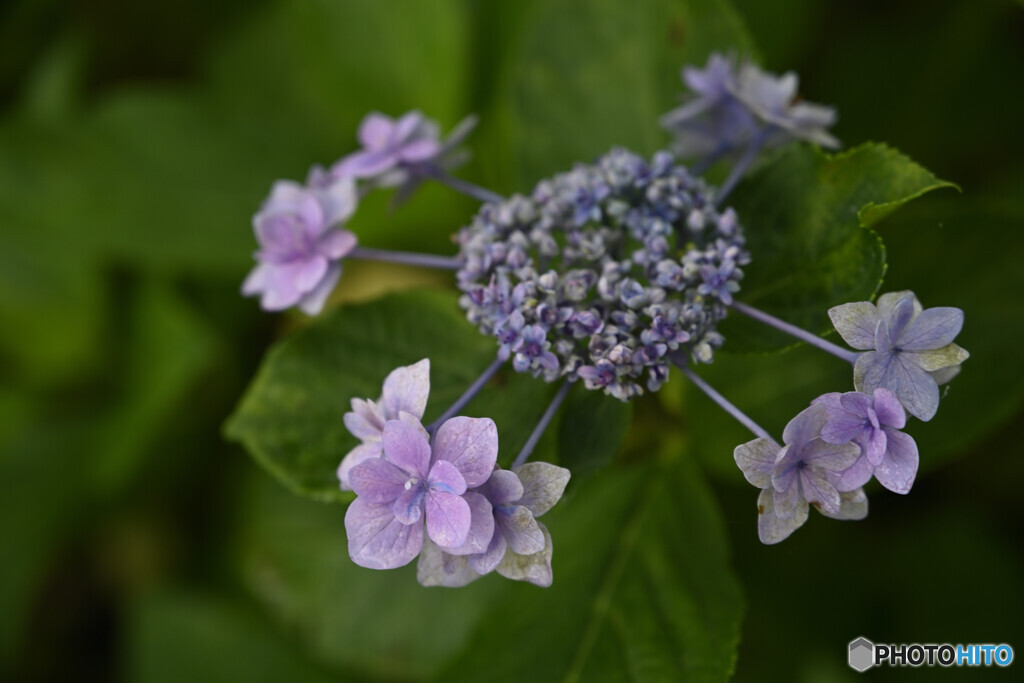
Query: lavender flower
520, 548
732, 105
910, 351
413, 483
873, 423
403, 397
300, 249
806, 471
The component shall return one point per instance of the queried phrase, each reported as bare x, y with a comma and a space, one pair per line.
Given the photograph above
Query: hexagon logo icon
862, 654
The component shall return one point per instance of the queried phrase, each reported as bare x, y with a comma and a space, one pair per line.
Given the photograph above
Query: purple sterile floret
301, 244
520, 547
403, 397
805, 471
533, 351
389, 142
414, 485
908, 350
873, 423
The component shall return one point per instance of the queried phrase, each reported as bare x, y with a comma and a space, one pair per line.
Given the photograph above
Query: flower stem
465, 187
738, 414
742, 165
406, 257
711, 159
538, 431
468, 395
793, 330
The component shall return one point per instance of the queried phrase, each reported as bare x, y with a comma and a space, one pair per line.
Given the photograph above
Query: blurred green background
138, 138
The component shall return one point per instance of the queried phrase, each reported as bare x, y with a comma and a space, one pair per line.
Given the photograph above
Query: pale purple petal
932, 329
887, 302
503, 487
471, 444
408, 507
444, 476
308, 273
356, 456
419, 150
843, 427
486, 562
888, 409
280, 291
406, 389
898, 468
822, 455
256, 280
415, 423
770, 527
448, 519
856, 403
914, 387
856, 324
336, 244
338, 201
405, 446
853, 477
535, 569
376, 130
874, 445
377, 480
899, 319
405, 126
853, 507
787, 499
945, 374
481, 526
757, 460
377, 540
313, 302
950, 355
543, 485
365, 421
805, 426
366, 164
438, 568
520, 530
818, 491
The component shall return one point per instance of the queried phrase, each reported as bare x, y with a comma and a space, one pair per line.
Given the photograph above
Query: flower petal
338, 202
535, 569
543, 485
898, 468
444, 476
888, 409
503, 487
376, 130
856, 324
854, 476
408, 506
770, 527
335, 244
818, 491
786, 498
438, 568
313, 302
756, 459
471, 444
822, 455
854, 506
932, 329
256, 280
521, 530
377, 540
366, 421
843, 427
887, 302
377, 480
419, 150
407, 388
486, 562
806, 425
448, 519
356, 456
481, 526
406, 447
899, 319
937, 359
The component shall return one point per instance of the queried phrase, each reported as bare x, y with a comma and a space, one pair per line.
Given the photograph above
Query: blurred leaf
643, 589
181, 636
581, 76
291, 417
592, 430
808, 217
293, 557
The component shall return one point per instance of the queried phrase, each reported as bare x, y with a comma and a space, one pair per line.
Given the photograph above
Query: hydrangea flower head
301, 245
909, 350
805, 471
403, 397
873, 423
521, 547
414, 485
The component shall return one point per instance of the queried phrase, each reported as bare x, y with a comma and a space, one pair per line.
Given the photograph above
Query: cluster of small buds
604, 272
843, 440
477, 517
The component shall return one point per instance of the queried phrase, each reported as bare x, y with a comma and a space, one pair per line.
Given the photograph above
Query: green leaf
291, 417
807, 217
292, 556
581, 76
592, 429
181, 636
643, 589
